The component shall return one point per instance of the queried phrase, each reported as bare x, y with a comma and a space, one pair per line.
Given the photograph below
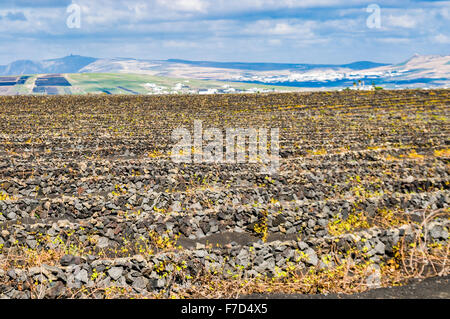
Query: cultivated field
122, 84
92, 206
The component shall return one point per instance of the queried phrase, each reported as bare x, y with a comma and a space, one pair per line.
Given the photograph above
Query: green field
118, 83
98, 82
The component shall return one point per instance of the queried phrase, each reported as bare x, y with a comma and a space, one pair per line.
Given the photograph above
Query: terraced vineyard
92, 206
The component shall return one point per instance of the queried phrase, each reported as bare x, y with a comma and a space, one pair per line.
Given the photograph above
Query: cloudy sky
301, 31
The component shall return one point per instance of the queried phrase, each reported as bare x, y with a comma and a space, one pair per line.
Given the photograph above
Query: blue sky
303, 31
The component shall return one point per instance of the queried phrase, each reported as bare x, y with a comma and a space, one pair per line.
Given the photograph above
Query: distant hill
417, 71
82, 64
362, 65
277, 66
23, 67
68, 64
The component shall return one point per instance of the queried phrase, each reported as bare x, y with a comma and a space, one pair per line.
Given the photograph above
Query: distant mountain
68, 64
362, 65
225, 71
22, 67
81, 64
419, 70
420, 66
277, 66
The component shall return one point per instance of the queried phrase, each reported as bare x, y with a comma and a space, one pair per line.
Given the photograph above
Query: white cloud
283, 29
392, 40
280, 28
180, 44
274, 42
445, 13
402, 21
232, 29
442, 38
184, 5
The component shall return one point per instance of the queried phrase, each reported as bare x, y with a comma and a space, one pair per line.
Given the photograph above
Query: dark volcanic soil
429, 288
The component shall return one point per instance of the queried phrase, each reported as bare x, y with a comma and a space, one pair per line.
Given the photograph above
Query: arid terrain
92, 205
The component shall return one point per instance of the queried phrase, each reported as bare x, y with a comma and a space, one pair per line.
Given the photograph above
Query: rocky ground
92, 206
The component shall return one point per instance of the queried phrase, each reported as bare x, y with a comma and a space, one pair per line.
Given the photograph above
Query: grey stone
157, 283
322, 222
115, 272
140, 283
138, 259
31, 243
11, 215
12, 273
409, 179
176, 206
161, 282
311, 257
132, 199
68, 260
201, 253
266, 265
291, 230
73, 283
243, 258
196, 206
124, 262
199, 246
214, 229
199, 233
106, 282
380, 248
438, 232
103, 242
34, 271
302, 245
82, 276
110, 233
